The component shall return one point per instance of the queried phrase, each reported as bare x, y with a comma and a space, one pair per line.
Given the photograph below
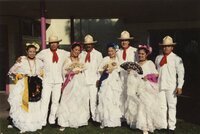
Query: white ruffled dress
73, 110
108, 111
143, 108
23, 120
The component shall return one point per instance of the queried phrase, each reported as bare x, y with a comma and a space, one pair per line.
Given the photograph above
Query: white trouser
171, 100
123, 97
93, 99
163, 104
48, 90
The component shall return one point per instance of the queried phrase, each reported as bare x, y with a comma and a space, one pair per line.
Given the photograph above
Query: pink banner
69, 77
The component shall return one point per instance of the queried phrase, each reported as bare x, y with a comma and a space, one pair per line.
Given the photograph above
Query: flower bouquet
76, 66
110, 66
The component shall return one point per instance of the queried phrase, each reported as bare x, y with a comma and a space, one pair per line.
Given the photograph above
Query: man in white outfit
171, 78
53, 59
92, 59
126, 53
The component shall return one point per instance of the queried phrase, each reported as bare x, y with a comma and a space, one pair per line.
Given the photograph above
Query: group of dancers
81, 84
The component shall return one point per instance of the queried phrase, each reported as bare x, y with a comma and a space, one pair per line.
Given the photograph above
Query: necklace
31, 67
73, 59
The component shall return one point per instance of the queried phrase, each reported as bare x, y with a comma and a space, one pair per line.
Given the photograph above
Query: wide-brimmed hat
89, 40
36, 45
167, 41
53, 38
125, 35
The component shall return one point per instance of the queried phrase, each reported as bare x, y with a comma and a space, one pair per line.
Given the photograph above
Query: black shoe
163, 130
53, 125
171, 131
10, 120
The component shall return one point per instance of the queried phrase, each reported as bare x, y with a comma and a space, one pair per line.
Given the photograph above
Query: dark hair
112, 45
30, 46
146, 50
76, 45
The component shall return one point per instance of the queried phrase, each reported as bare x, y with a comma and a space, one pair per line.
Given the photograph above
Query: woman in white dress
108, 111
24, 98
149, 114
73, 110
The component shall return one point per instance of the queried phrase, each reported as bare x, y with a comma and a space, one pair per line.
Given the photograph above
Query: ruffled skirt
143, 107
25, 121
73, 110
150, 113
108, 111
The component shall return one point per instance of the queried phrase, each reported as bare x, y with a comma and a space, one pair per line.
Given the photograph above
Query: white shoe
21, 132
51, 120
10, 126
101, 126
62, 128
145, 132
44, 124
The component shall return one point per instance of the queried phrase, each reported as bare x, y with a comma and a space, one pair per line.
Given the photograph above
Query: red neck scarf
87, 58
164, 60
124, 53
55, 56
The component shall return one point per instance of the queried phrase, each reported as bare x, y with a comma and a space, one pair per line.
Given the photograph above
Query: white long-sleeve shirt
130, 55
53, 71
91, 73
171, 75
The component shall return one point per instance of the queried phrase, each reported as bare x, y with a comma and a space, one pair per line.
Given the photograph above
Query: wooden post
43, 24
72, 30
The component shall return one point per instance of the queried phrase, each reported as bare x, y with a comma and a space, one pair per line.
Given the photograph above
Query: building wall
108, 30
103, 30
11, 48
14, 37
141, 30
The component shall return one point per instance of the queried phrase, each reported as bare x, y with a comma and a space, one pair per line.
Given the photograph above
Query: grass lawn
182, 128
